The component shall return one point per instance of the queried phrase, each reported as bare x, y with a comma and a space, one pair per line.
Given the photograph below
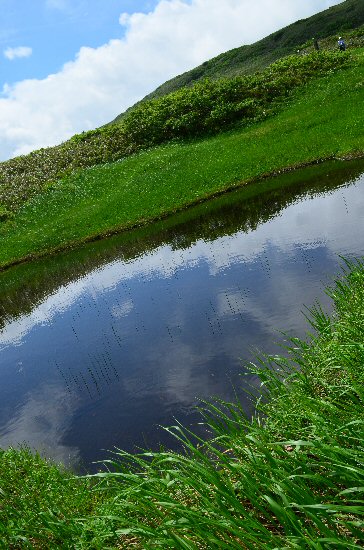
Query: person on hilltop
316, 44
341, 44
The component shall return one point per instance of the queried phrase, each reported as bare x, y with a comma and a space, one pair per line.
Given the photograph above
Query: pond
102, 345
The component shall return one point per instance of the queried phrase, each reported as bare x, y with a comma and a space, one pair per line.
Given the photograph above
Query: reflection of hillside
24, 286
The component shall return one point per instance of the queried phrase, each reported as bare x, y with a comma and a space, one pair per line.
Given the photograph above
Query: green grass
321, 121
290, 477
37, 501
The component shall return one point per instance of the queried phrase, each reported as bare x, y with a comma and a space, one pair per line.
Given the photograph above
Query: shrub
210, 106
4, 213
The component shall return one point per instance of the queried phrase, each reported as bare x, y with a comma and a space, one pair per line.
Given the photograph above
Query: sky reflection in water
106, 358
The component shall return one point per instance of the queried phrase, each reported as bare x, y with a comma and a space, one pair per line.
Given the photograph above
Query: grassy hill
140, 188
228, 103
250, 58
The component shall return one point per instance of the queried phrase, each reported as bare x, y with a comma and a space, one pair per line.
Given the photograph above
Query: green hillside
86, 204
248, 59
225, 102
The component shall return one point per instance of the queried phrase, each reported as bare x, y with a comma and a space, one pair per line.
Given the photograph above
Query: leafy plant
214, 105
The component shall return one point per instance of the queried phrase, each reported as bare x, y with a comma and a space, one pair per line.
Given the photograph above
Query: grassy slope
294, 481
26, 285
323, 121
205, 109
248, 59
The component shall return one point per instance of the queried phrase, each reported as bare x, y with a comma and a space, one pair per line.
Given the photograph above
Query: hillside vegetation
291, 477
172, 151
325, 26
191, 112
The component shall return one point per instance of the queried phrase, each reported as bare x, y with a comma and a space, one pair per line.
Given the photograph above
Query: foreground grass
291, 477
322, 121
38, 502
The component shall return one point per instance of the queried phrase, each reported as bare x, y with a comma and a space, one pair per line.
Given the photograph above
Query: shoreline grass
290, 477
26, 285
321, 121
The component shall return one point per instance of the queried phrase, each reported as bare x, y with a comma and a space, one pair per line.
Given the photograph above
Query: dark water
102, 345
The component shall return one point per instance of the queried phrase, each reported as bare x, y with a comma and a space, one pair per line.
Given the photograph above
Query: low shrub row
214, 105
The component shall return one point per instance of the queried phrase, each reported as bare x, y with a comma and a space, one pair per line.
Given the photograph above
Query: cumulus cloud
20, 51
102, 82
124, 18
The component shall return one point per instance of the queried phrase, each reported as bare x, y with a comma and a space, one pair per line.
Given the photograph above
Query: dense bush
25, 176
210, 106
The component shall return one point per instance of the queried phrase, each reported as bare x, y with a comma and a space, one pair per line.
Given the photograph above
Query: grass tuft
292, 477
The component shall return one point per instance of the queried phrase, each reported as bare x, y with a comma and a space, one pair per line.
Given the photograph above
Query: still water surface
101, 346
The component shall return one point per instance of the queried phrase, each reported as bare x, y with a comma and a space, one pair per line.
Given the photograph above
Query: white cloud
102, 82
15, 53
124, 19
123, 309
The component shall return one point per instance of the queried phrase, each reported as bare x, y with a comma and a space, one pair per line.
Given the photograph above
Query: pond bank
293, 480
26, 285
254, 182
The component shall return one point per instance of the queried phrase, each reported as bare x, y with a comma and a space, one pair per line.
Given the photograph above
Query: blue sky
55, 30
71, 65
